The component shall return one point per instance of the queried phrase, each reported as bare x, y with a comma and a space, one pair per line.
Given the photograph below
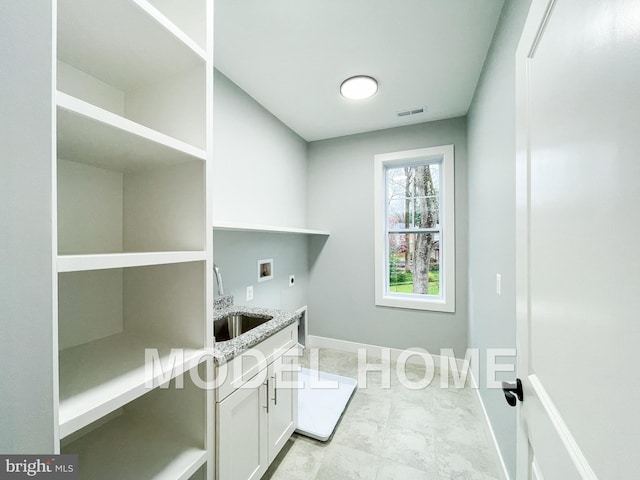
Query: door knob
509, 389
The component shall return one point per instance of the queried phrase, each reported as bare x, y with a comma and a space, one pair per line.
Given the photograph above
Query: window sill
434, 305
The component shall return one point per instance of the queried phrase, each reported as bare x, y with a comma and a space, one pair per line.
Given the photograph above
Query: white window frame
446, 301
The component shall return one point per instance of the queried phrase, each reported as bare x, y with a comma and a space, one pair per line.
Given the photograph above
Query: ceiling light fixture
359, 87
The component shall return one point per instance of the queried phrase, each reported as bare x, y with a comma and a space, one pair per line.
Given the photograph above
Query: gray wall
28, 338
340, 199
260, 176
237, 255
491, 144
260, 168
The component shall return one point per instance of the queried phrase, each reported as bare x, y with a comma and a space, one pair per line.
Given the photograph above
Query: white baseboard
375, 351
504, 474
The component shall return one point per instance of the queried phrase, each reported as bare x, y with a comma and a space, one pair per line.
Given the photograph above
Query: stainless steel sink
233, 325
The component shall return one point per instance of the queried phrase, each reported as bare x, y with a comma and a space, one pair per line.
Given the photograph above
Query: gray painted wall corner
260, 164
260, 177
491, 143
341, 293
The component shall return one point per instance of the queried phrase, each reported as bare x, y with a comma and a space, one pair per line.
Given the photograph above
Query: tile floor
393, 433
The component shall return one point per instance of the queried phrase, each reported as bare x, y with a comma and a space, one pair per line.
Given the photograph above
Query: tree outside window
413, 201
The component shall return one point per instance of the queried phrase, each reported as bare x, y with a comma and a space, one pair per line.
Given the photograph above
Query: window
414, 240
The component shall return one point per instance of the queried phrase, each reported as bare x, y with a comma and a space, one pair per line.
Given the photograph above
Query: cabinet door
242, 434
283, 398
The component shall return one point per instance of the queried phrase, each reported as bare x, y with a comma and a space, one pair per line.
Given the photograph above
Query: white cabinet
283, 406
242, 431
256, 420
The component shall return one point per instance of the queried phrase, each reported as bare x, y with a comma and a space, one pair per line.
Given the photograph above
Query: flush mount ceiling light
359, 87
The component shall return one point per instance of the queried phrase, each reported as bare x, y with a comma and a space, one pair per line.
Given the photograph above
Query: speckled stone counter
227, 350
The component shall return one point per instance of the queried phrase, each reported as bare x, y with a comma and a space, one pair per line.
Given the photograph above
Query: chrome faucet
216, 270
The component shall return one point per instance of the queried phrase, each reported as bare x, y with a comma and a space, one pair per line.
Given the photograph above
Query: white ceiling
292, 55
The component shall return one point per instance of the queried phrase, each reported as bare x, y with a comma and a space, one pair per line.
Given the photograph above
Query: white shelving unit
133, 110
251, 227
99, 377
80, 263
93, 135
151, 437
137, 445
128, 43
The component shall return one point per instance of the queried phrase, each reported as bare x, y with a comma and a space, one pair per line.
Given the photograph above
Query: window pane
399, 213
414, 263
413, 197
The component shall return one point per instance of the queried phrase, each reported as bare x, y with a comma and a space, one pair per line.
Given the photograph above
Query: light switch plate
498, 284
249, 293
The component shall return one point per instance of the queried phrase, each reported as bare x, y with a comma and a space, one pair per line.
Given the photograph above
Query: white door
241, 444
578, 239
283, 410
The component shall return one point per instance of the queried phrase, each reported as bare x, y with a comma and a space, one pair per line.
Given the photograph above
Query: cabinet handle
266, 382
275, 391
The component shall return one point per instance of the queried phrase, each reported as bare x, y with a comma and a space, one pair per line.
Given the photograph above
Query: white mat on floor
321, 402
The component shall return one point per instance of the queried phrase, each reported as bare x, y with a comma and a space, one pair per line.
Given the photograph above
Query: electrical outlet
498, 284
249, 293
292, 280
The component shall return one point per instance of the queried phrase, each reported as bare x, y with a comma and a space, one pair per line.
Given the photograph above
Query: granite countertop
229, 349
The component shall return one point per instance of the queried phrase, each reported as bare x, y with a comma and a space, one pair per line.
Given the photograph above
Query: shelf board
99, 377
125, 43
131, 447
94, 136
251, 227
81, 263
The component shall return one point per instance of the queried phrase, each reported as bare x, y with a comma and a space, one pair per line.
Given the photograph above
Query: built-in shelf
130, 447
94, 136
133, 102
98, 377
188, 16
250, 227
125, 43
80, 263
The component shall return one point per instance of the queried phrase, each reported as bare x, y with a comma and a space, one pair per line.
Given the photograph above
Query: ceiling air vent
412, 111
